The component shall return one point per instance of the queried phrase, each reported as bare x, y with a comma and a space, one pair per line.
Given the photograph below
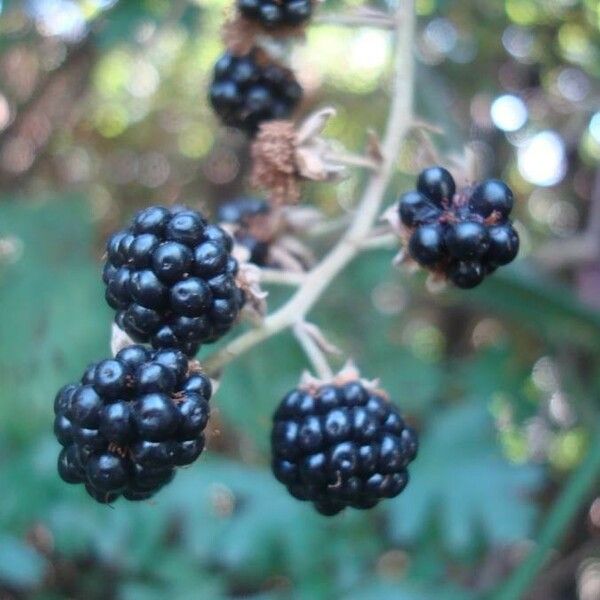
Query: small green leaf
461, 477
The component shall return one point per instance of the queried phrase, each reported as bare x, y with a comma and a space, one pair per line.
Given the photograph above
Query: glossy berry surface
341, 446
276, 13
463, 235
245, 93
168, 276
244, 213
131, 443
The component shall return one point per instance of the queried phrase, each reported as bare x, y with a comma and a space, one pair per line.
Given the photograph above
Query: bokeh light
509, 112
542, 160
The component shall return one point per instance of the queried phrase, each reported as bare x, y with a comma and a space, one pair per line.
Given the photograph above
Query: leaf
55, 319
461, 477
408, 590
20, 565
547, 308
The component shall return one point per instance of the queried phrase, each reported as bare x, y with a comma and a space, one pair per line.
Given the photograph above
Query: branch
319, 278
278, 277
314, 354
371, 19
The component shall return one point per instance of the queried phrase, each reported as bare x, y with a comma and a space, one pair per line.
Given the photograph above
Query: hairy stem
579, 485
319, 278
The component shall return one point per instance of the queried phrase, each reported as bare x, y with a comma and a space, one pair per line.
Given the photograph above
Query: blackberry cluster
276, 13
244, 212
465, 235
171, 278
245, 92
342, 446
130, 422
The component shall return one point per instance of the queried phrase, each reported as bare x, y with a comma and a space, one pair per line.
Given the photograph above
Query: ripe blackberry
276, 13
247, 91
171, 278
463, 235
246, 214
130, 422
341, 445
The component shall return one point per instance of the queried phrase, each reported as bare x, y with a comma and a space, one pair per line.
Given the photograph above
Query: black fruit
276, 13
341, 446
245, 93
130, 445
465, 235
159, 276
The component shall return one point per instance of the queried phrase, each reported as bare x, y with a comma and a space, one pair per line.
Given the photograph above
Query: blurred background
103, 109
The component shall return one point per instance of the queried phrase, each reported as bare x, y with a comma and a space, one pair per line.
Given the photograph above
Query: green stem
578, 486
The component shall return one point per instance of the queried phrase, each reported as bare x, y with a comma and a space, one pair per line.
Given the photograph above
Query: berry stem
349, 245
313, 352
578, 487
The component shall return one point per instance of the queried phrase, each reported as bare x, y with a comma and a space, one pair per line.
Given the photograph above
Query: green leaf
408, 590
545, 307
461, 477
55, 319
20, 565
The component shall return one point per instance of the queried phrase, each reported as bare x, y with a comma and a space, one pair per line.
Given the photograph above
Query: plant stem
313, 352
319, 278
578, 486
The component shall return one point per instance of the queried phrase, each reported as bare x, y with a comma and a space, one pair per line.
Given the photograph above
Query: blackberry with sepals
171, 278
247, 214
341, 445
463, 235
130, 422
274, 14
247, 90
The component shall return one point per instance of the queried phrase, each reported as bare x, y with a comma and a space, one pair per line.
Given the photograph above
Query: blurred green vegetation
102, 110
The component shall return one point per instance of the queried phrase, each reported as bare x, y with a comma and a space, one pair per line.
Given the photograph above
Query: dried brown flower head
284, 154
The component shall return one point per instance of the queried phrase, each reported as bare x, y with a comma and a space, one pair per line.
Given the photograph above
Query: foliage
478, 374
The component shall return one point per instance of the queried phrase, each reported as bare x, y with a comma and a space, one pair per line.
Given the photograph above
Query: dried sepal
348, 373
119, 339
436, 282
248, 279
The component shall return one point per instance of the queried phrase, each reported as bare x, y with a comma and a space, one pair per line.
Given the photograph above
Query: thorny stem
314, 354
319, 278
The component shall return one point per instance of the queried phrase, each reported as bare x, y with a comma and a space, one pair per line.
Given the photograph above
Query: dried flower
283, 154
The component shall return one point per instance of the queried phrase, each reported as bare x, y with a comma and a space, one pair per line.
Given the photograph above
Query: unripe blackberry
129, 443
246, 92
171, 278
341, 445
462, 236
276, 13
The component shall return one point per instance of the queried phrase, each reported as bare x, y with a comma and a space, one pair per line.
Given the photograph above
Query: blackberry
125, 429
464, 235
276, 13
246, 91
168, 276
341, 446
245, 213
